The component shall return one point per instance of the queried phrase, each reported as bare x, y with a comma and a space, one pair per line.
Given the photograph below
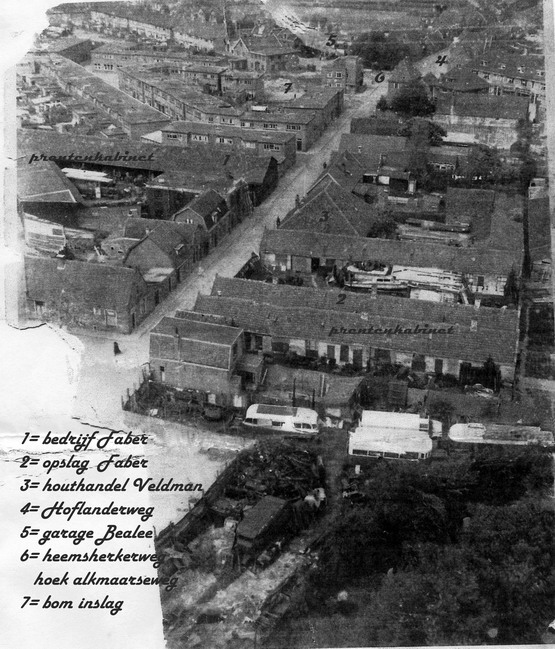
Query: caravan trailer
282, 419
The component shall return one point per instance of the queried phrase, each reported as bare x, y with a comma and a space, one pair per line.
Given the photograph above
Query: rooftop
116, 102
45, 182
462, 332
332, 209
410, 253
197, 331
252, 135
52, 280
483, 105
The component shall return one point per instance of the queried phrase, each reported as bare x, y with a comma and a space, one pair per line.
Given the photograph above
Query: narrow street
104, 379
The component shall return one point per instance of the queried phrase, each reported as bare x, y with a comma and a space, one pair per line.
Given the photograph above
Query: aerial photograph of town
306, 247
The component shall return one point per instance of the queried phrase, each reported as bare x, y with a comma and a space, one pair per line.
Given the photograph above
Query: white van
282, 419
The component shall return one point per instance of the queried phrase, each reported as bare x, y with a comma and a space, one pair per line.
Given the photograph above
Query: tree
484, 164
379, 51
412, 101
384, 228
382, 104
434, 132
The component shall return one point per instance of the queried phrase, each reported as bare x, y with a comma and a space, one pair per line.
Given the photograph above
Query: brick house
86, 295
346, 72
366, 330
192, 354
210, 213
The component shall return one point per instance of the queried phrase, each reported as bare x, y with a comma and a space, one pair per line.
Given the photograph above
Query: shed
259, 522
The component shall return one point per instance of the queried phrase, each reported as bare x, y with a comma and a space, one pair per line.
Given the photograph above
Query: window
330, 352
250, 145
329, 75
39, 307
480, 282
293, 127
344, 353
359, 451
339, 75
272, 147
162, 370
270, 126
111, 318
171, 136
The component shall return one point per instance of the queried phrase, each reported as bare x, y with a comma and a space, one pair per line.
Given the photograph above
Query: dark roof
404, 72
198, 331
340, 327
495, 217
257, 519
423, 255
209, 205
119, 104
138, 228
315, 99
375, 148
461, 80
539, 228
283, 295
195, 168
383, 123
483, 105
465, 205
45, 182
330, 208
80, 283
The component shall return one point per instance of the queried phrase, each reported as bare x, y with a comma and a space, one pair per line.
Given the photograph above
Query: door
357, 358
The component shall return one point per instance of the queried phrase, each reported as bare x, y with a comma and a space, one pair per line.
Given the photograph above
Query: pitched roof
205, 205
461, 80
46, 183
80, 283
404, 72
283, 295
539, 228
423, 255
471, 342
483, 105
330, 208
196, 168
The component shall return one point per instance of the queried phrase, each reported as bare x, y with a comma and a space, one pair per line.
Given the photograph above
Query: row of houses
133, 116
369, 332
306, 117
